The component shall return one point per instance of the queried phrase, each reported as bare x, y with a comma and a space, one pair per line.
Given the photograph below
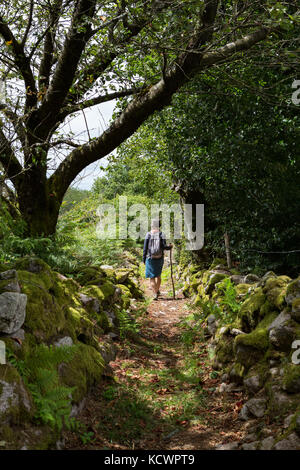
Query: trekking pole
172, 274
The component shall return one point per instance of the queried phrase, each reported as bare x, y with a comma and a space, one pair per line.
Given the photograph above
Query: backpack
154, 246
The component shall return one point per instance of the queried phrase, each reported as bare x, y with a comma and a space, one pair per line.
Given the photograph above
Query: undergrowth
39, 372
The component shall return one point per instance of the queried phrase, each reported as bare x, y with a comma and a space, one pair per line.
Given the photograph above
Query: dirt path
162, 392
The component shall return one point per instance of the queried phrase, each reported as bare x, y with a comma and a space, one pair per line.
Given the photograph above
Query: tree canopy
242, 160
60, 57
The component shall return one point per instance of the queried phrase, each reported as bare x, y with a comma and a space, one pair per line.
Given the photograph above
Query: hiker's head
155, 224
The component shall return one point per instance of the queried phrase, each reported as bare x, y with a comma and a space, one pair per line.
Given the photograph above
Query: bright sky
98, 119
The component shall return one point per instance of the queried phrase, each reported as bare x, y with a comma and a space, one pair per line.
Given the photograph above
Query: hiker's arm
145, 248
165, 246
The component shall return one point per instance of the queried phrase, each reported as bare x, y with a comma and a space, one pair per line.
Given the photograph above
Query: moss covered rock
213, 280
291, 378
91, 274
295, 314
275, 289
224, 350
83, 371
250, 312
15, 400
250, 348
293, 291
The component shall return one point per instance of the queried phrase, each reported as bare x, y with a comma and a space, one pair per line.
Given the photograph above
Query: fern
39, 372
126, 324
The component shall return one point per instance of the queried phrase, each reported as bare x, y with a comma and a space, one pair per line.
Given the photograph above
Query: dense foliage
231, 140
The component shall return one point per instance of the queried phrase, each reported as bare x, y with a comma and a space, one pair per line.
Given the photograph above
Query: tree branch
8, 159
142, 106
16, 122
29, 23
94, 101
22, 63
47, 58
65, 70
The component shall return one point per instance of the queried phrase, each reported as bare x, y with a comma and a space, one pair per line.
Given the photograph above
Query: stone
267, 275
297, 426
229, 446
10, 274
14, 399
253, 384
211, 319
288, 420
112, 335
295, 314
249, 437
236, 332
213, 279
281, 320
9, 281
281, 337
281, 399
254, 407
293, 291
251, 279
250, 446
274, 371
222, 388
91, 302
266, 432
225, 377
292, 442
223, 330
12, 311
267, 443
62, 342
237, 279
291, 378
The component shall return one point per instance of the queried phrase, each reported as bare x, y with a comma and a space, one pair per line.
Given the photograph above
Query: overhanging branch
142, 106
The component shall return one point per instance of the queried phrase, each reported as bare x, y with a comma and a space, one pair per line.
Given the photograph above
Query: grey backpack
154, 245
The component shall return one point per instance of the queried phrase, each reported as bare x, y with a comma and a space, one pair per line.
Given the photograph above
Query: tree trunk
38, 204
227, 249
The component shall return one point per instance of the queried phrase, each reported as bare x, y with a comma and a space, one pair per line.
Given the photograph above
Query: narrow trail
161, 394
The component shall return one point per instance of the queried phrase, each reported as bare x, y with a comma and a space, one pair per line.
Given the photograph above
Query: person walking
153, 255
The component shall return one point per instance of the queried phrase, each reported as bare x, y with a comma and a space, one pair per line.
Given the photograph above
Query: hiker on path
153, 255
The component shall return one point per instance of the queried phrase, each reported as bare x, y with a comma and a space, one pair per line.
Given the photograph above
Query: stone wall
252, 325
59, 330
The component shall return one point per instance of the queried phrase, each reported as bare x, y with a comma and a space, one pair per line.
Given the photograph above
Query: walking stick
172, 274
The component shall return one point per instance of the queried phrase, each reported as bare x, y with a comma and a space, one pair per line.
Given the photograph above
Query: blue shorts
154, 267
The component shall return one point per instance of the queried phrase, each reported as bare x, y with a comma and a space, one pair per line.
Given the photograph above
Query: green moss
250, 348
237, 372
136, 292
267, 320
242, 289
275, 290
83, 371
224, 350
293, 290
107, 288
258, 339
218, 261
32, 264
15, 409
249, 313
213, 280
44, 315
91, 274
125, 295
291, 378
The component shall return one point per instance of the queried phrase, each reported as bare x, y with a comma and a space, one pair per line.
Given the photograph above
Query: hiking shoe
156, 296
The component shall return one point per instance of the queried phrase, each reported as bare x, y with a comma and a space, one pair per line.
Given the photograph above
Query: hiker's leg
158, 282
153, 284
